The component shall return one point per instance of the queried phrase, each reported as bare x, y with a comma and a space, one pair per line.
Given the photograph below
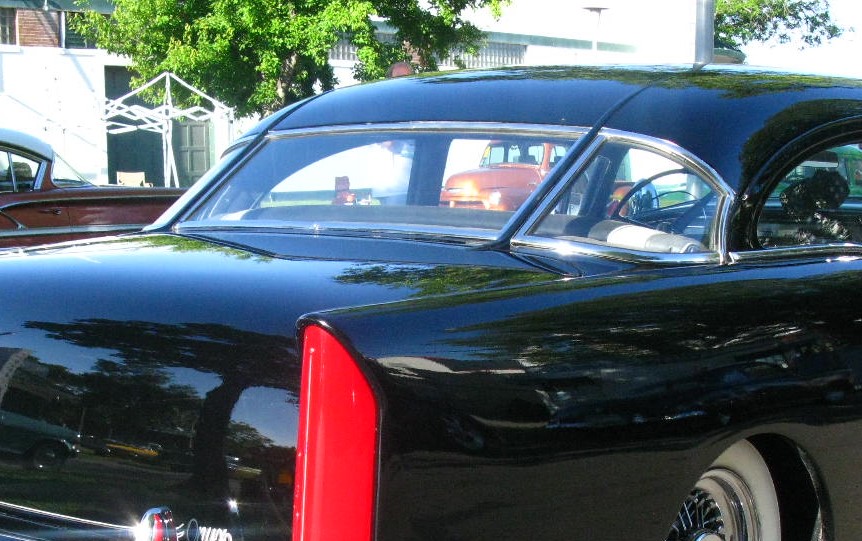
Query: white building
54, 86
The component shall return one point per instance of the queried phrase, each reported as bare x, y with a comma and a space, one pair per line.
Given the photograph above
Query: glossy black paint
591, 401
524, 396
141, 370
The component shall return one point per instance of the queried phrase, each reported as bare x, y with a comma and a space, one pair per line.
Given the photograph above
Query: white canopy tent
121, 116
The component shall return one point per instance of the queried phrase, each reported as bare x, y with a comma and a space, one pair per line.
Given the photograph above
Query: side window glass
557, 153
535, 155
23, 173
5, 172
635, 198
818, 202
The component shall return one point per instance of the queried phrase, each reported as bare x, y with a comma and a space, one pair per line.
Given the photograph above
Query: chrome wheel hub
709, 537
720, 508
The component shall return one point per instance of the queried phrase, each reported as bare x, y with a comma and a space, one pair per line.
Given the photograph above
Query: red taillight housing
336, 451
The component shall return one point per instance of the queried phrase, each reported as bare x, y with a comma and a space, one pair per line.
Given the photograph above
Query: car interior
818, 202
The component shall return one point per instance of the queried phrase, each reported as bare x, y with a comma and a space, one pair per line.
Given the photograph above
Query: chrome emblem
215, 534
157, 524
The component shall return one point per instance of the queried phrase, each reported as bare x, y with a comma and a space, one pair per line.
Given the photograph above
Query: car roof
534, 95
26, 142
730, 117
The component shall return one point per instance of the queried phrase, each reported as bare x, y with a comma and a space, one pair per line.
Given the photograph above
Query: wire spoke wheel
734, 500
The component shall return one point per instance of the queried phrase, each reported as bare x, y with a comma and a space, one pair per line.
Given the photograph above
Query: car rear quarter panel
587, 408
176, 361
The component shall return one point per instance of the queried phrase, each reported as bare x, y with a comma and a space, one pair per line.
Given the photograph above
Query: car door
28, 215
765, 328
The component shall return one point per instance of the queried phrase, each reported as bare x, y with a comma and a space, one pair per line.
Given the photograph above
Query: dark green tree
739, 22
260, 55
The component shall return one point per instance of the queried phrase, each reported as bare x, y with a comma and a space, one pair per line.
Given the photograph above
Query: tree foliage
259, 55
739, 22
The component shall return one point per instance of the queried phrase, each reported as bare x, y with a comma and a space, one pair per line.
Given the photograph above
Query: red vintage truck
508, 173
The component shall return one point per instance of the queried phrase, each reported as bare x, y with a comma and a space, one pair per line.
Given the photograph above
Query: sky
842, 56
625, 18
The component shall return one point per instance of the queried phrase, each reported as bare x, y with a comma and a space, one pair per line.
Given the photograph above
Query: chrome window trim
827, 251
563, 184
469, 237
240, 142
523, 241
834, 251
38, 174
564, 248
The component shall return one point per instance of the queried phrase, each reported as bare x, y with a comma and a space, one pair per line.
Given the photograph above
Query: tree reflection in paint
143, 354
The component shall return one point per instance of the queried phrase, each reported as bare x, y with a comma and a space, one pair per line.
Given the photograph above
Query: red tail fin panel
336, 446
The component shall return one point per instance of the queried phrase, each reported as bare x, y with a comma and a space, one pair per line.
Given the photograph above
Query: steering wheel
695, 211
638, 186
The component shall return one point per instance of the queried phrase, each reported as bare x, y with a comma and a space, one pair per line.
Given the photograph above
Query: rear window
416, 181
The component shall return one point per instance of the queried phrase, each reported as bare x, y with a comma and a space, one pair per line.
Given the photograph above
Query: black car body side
558, 428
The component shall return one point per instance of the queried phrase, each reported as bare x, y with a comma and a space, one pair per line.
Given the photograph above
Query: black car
663, 341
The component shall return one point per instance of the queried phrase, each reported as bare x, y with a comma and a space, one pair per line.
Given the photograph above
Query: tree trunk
209, 470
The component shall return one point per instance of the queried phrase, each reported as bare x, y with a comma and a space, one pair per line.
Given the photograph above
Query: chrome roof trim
492, 128
26, 142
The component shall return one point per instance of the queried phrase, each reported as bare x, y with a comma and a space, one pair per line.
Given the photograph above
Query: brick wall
38, 28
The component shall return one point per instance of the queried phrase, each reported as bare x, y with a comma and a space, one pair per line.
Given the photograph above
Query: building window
343, 50
72, 39
493, 54
7, 26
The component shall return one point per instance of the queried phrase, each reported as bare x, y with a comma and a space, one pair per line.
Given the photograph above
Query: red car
42, 199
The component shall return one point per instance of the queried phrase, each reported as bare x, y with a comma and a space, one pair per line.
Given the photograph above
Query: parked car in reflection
143, 451
43, 199
36, 415
40, 444
661, 341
